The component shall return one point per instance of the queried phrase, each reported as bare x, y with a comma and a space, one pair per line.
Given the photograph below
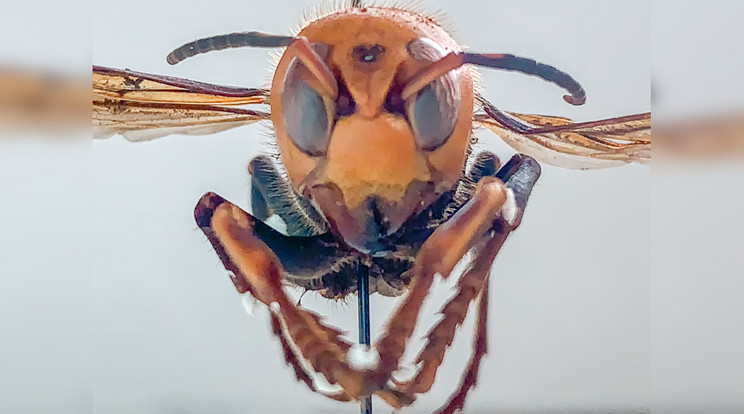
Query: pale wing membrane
587, 145
142, 106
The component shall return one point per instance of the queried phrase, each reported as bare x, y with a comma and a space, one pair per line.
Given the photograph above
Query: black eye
307, 116
433, 111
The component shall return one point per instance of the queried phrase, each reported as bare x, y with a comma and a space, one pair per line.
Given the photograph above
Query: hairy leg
271, 193
257, 269
480, 348
522, 174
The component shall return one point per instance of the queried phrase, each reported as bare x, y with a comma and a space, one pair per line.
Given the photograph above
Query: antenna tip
575, 100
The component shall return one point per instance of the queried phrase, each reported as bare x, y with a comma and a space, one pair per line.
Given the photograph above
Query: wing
559, 141
42, 101
703, 138
143, 106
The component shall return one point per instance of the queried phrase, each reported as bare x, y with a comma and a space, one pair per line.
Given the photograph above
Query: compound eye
433, 115
433, 111
308, 116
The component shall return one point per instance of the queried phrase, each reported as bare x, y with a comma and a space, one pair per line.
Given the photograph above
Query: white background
105, 235
569, 322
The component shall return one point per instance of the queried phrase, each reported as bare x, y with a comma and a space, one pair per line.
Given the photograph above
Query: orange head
367, 156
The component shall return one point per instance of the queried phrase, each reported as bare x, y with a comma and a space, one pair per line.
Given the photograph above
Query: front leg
258, 269
241, 242
271, 193
481, 226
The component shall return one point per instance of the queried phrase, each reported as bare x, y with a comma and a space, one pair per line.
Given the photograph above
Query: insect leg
259, 207
480, 348
477, 222
243, 245
485, 164
469, 287
257, 269
520, 174
271, 193
293, 358
440, 337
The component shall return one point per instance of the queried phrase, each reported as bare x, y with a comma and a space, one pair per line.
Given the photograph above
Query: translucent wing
143, 106
559, 141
